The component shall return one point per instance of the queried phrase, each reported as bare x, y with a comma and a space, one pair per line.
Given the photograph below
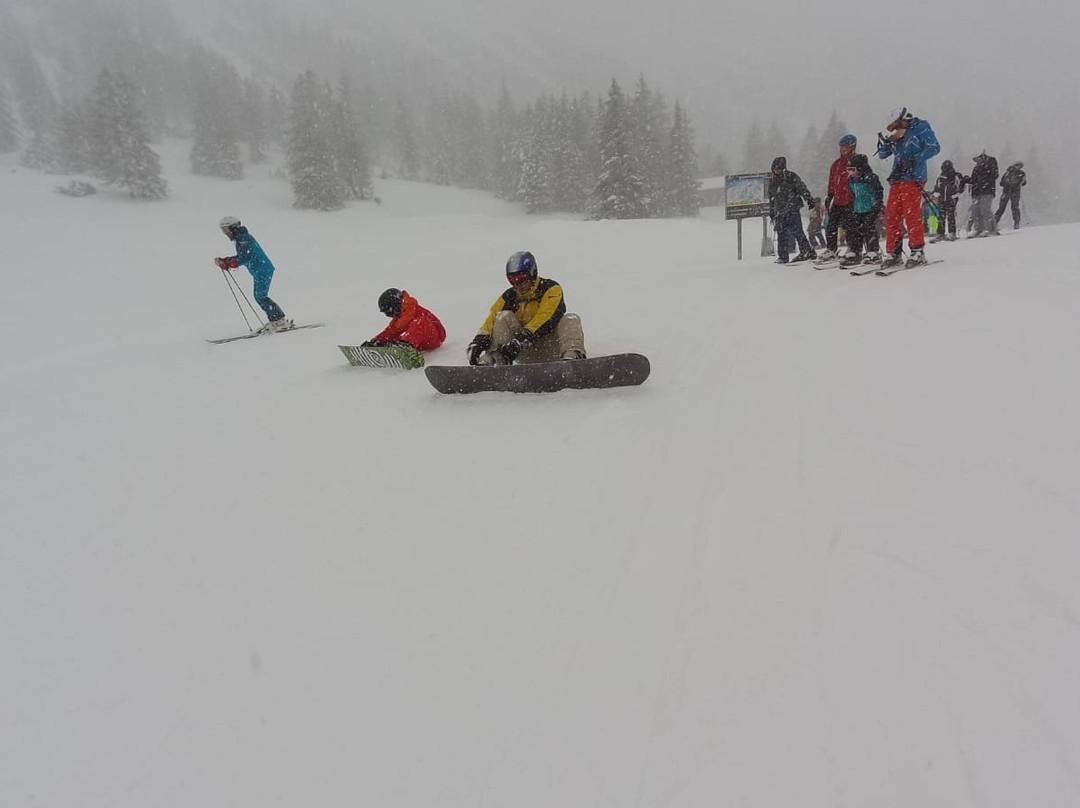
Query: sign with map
746, 196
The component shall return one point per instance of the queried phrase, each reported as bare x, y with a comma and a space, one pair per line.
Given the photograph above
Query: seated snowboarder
528, 322
249, 254
411, 323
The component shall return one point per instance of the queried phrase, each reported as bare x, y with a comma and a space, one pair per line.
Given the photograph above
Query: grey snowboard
620, 370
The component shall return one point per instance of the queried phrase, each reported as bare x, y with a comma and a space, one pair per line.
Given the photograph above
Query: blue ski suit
250, 254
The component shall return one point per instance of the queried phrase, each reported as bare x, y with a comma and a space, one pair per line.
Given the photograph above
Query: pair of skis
261, 333
875, 269
884, 273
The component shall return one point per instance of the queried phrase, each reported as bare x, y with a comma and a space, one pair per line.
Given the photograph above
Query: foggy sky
982, 75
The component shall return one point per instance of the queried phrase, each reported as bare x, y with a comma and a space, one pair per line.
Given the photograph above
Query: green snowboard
402, 356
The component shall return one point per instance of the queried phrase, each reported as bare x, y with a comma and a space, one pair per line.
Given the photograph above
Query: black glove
903, 165
882, 140
521, 340
480, 343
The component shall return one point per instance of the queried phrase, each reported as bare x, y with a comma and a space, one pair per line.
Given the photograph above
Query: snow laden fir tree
119, 143
327, 162
218, 102
620, 190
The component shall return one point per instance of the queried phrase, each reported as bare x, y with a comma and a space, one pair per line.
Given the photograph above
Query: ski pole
243, 295
242, 313
246, 299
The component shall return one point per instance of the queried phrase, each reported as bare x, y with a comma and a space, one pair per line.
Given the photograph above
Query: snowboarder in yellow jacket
528, 322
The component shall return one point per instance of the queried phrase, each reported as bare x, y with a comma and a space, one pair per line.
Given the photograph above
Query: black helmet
390, 302
779, 162
859, 161
947, 167
521, 262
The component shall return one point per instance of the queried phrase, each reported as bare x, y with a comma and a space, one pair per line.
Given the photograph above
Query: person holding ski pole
911, 142
250, 254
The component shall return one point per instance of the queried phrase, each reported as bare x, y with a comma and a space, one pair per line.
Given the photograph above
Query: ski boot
872, 258
851, 260
916, 259
894, 260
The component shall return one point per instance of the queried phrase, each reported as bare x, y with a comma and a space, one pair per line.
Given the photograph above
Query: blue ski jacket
917, 146
249, 254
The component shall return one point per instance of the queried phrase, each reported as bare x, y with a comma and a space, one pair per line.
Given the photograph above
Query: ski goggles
518, 278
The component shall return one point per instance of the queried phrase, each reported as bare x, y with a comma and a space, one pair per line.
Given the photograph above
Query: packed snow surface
827, 555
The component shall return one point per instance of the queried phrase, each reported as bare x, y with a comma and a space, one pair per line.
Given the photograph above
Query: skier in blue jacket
911, 142
249, 254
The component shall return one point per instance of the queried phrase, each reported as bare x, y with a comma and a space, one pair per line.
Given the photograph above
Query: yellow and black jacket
539, 311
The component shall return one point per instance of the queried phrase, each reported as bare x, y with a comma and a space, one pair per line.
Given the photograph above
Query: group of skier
527, 323
855, 200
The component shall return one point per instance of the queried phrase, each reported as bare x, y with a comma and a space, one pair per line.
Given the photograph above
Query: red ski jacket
839, 189
414, 325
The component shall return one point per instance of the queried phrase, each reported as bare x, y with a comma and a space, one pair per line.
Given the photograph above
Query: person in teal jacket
911, 142
867, 198
250, 254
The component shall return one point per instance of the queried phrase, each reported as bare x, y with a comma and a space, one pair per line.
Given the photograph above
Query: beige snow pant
567, 336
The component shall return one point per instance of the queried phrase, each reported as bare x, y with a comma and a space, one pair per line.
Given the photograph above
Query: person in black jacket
983, 182
1012, 181
787, 192
948, 187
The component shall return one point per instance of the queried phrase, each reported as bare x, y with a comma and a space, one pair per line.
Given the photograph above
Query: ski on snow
263, 333
884, 273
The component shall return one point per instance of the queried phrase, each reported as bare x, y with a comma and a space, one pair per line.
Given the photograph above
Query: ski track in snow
825, 556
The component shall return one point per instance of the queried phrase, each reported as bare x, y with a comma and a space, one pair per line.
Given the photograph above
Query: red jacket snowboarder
411, 322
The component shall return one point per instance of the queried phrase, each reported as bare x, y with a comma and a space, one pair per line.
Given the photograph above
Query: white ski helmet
228, 222
899, 114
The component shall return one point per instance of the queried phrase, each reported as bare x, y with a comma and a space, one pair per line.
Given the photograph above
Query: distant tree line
613, 155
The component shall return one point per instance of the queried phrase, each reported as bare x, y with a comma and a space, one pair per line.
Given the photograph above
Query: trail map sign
746, 196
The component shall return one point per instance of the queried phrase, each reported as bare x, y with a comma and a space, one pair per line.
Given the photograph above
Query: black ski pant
1009, 195
862, 232
947, 218
815, 237
839, 217
789, 229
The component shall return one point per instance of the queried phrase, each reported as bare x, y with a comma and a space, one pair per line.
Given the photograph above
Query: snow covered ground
826, 556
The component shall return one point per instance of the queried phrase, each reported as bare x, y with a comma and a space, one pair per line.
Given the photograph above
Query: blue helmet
521, 262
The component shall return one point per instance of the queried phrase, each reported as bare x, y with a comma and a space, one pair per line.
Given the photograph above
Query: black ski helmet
947, 168
859, 161
390, 302
522, 262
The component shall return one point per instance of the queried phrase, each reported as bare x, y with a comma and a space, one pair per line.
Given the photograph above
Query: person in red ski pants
911, 142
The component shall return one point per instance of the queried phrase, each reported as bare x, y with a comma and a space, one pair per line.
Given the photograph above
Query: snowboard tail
405, 357
619, 370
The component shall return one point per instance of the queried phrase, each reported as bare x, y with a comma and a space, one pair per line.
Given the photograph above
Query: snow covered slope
825, 556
